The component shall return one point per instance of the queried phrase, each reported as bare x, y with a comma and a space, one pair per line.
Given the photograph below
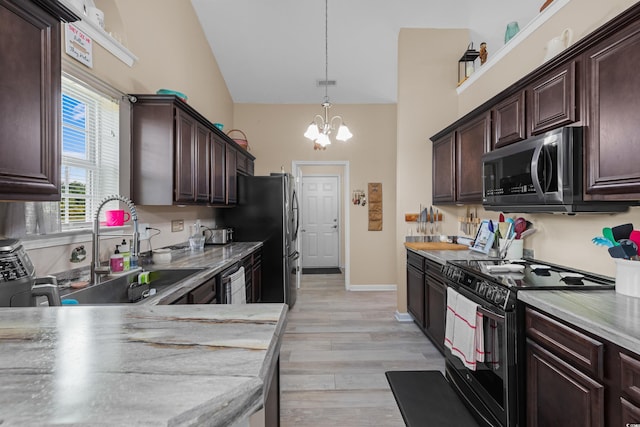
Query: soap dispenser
116, 261
126, 255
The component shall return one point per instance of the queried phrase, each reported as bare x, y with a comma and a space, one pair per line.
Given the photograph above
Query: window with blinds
90, 152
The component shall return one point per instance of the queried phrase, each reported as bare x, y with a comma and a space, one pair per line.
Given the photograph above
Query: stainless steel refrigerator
268, 210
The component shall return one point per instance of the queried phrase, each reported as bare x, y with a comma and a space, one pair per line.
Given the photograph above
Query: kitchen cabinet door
202, 177
256, 278
472, 141
560, 395
218, 171
509, 120
613, 95
231, 175
435, 307
553, 100
30, 100
204, 294
444, 188
415, 294
185, 157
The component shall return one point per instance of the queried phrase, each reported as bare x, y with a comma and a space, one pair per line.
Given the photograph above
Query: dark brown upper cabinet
30, 99
179, 157
509, 120
553, 100
444, 189
612, 138
231, 176
472, 141
218, 171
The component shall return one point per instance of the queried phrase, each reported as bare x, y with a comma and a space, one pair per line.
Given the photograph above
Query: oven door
491, 389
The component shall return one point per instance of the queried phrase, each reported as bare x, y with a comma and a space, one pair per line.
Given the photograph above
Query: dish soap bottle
126, 255
116, 261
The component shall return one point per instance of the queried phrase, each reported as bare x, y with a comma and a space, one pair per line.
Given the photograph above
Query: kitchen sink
116, 290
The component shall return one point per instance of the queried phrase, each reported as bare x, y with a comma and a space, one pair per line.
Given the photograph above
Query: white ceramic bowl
162, 256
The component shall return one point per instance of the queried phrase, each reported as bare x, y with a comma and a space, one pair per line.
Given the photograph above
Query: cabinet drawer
203, 294
630, 412
630, 377
415, 260
577, 349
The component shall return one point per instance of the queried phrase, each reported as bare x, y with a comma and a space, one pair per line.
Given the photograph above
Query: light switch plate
177, 225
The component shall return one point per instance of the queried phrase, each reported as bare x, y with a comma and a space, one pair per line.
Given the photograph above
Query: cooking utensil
520, 226
602, 241
501, 218
431, 218
606, 232
623, 251
512, 222
622, 231
528, 232
635, 237
437, 219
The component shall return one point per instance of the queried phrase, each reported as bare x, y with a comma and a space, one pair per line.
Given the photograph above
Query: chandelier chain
326, 50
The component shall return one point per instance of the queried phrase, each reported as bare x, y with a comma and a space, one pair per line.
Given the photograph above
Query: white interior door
320, 222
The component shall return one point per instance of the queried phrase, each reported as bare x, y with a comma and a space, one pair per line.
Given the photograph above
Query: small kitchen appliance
18, 285
492, 389
218, 236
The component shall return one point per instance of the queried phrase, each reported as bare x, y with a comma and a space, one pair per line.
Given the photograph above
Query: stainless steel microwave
540, 174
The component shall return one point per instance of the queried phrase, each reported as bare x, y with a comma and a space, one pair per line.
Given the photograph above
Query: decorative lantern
466, 64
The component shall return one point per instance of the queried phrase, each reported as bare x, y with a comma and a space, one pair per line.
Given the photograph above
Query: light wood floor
336, 349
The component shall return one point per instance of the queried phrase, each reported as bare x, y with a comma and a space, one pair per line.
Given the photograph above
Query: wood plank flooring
336, 348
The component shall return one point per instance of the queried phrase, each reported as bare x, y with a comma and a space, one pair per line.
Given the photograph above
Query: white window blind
90, 152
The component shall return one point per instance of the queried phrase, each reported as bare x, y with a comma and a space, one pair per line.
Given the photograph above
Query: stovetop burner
531, 274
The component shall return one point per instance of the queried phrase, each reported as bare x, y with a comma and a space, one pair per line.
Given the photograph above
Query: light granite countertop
441, 257
607, 314
137, 365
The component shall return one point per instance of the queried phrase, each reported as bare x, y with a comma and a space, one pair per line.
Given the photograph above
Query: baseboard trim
403, 317
358, 288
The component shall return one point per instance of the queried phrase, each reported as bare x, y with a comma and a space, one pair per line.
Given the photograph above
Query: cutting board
435, 246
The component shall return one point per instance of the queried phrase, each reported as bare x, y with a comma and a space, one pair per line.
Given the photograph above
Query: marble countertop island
137, 365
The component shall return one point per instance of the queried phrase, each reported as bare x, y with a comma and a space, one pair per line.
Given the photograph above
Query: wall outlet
528, 253
177, 225
142, 230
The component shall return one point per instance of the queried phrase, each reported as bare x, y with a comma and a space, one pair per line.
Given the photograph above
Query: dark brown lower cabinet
206, 293
427, 297
558, 394
272, 399
415, 294
435, 305
575, 378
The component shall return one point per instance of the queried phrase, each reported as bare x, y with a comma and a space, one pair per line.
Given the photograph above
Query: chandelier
321, 126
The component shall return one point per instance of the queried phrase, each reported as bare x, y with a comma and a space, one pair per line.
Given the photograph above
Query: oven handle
490, 314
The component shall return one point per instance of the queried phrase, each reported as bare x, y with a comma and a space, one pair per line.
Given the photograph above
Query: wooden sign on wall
375, 206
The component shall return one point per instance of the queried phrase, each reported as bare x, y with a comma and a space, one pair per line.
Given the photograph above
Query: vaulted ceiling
273, 51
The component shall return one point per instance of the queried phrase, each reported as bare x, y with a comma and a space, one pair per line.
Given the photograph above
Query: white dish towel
236, 293
463, 329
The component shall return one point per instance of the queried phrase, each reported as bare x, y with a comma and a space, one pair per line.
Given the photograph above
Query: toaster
218, 236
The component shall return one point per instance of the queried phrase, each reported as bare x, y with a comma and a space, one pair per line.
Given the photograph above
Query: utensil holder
628, 277
515, 250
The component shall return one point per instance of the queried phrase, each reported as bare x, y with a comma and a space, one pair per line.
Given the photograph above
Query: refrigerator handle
295, 208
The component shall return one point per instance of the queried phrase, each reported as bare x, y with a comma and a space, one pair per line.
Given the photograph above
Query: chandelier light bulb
312, 132
323, 140
343, 133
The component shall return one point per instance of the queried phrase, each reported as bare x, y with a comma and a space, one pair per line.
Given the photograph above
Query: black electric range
497, 281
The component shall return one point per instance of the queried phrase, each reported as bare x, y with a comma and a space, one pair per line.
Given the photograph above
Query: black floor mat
331, 270
426, 399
